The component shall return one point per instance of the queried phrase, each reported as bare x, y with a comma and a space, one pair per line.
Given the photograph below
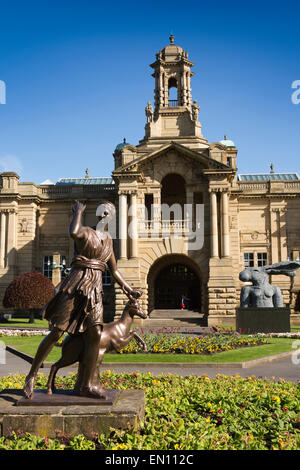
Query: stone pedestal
51, 420
262, 320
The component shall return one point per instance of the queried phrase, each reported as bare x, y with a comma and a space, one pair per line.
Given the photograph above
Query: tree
29, 291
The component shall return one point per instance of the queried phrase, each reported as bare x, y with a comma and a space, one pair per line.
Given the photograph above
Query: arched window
173, 95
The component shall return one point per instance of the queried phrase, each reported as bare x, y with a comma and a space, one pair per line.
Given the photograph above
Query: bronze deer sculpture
115, 336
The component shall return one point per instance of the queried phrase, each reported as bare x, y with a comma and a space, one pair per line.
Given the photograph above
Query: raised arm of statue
76, 230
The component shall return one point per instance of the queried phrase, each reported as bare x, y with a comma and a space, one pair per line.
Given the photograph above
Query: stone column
214, 245
184, 88
12, 237
156, 218
225, 224
133, 226
123, 225
2, 239
283, 234
274, 236
189, 213
188, 91
56, 270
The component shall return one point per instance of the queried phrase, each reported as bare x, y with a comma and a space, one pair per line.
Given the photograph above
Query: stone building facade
241, 219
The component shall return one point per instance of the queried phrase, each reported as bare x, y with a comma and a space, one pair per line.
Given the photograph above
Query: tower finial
171, 39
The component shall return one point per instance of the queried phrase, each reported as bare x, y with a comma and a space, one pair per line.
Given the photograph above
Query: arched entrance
170, 279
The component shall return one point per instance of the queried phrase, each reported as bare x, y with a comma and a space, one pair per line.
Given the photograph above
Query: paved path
282, 368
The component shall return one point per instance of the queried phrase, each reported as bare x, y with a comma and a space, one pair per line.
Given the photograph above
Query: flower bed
168, 342
182, 344
279, 335
188, 413
19, 332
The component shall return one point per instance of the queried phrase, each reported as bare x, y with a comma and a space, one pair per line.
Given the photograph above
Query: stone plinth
52, 420
262, 320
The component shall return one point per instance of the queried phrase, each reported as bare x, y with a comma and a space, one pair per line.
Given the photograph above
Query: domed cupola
171, 51
122, 144
226, 142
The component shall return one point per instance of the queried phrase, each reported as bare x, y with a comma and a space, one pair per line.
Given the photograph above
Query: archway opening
177, 284
173, 93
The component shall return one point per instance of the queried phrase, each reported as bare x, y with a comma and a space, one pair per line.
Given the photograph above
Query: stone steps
175, 314
172, 318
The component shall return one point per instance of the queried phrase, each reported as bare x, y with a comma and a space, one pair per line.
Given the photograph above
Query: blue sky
78, 78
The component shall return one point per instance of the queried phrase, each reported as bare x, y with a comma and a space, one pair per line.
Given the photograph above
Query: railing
254, 186
173, 103
164, 227
63, 190
56, 190
284, 186
292, 186
99, 187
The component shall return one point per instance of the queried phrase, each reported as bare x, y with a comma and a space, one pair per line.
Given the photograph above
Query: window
148, 206
106, 278
48, 266
261, 259
63, 264
248, 260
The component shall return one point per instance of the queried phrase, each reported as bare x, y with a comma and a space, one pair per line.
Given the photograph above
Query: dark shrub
29, 291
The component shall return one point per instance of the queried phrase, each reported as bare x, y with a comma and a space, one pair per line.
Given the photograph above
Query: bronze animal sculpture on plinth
261, 293
77, 306
115, 336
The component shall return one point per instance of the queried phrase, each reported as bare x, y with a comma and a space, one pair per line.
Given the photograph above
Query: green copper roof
227, 143
269, 176
70, 181
122, 144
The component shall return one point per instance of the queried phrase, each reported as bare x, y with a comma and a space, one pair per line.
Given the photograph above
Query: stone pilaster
133, 226
123, 225
214, 225
225, 224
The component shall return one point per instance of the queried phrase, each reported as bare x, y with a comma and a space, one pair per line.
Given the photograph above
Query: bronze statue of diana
77, 306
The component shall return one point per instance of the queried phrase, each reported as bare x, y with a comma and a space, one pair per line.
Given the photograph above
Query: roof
200, 157
227, 143
97, 180
268, 177
122, 144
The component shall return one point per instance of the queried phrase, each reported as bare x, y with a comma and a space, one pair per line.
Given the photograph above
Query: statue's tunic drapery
78, 302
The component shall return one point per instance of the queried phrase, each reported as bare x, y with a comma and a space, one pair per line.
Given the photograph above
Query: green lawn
29, 346
23, 322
